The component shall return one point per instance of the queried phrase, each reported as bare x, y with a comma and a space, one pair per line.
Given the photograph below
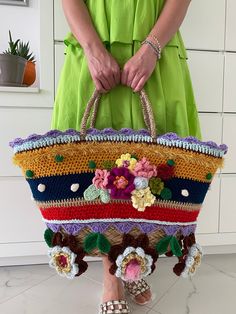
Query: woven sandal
114, 307
135, 288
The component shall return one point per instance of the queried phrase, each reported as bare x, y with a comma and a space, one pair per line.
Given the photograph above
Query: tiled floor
38, 290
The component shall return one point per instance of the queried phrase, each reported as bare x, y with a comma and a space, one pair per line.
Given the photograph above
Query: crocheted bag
128, 194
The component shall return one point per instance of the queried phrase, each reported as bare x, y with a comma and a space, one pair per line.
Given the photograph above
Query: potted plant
12, 66
30, 71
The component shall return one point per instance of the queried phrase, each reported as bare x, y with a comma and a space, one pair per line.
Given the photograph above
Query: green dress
122, 26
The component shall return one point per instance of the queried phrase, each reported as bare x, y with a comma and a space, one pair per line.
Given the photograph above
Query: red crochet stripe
101, 211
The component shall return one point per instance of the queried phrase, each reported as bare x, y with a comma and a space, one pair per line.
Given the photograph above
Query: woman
119, 47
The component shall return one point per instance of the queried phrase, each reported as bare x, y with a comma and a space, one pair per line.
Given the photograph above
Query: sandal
135, 288
114, 307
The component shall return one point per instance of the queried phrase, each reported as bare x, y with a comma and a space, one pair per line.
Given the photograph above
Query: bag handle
94, 103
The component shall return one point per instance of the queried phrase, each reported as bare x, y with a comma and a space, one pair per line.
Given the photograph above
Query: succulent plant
13, 46
19, 48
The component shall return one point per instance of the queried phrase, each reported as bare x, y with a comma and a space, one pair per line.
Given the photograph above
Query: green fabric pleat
122, 25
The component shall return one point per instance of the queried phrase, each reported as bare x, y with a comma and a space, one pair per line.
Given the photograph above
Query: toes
140, 298
147, 294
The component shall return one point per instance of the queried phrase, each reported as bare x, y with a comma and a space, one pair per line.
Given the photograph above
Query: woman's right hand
104, 69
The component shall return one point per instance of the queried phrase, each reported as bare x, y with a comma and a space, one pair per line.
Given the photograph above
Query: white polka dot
185, 192
41, 187
74, 187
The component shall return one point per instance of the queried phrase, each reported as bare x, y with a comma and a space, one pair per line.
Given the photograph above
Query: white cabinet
227, 204
21, 219
208, 218
61, 27
206, 70
19, 122
229, 84
231, 25
204, 25
211, 126
229, 136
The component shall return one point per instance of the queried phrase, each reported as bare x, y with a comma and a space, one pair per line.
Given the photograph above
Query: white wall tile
206, 70
229, 135
227, 204
19, 123
231, 25
204, 25
229, 84
61, 27
21, 219
209, 215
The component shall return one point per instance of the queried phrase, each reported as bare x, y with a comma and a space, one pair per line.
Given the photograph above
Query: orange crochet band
76, 158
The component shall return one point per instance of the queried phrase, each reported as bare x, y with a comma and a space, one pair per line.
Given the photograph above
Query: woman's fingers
140, 84
99, 86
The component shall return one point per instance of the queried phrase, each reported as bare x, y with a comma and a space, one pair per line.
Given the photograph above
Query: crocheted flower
101, 178
144, 168
156, 185
193, 261
63, 260
142, 198
133, 259
165, 172
121, 183
133, 264
126, 160
66, 256
140, 183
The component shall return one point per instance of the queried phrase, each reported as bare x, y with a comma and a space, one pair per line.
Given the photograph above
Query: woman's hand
104, 69
139, 68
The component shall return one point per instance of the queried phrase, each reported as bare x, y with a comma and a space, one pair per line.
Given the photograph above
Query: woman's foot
139, 291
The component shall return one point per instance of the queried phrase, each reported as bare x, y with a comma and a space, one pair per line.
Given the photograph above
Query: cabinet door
21, 220
227, 204
208, 219
206, 70
61, 27
204, 25
19, 123
229, 135
231, 25
229, 84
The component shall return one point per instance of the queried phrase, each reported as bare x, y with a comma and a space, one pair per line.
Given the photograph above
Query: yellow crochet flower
127, 161
142, 198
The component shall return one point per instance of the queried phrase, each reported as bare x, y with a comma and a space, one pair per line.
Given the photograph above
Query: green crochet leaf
175, 247
103, 244
105, 196
48, 235
90, 242
91, 193
162, 245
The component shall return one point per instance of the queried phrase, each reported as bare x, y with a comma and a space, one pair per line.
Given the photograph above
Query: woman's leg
113, 287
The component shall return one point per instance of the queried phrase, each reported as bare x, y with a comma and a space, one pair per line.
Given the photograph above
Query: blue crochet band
124, 135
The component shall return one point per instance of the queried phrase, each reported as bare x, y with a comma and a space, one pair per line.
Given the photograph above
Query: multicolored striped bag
128, 194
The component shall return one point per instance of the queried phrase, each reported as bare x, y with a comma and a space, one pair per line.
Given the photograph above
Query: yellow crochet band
76, 158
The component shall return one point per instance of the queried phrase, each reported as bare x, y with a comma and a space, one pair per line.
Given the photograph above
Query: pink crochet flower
145, 169
101, 178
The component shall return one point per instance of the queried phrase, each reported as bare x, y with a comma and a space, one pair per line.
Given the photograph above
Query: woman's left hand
139, 68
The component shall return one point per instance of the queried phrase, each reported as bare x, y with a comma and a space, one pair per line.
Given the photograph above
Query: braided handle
94, 103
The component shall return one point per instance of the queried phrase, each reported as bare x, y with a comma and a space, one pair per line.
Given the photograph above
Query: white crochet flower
63, 260
131, 254
193, 261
